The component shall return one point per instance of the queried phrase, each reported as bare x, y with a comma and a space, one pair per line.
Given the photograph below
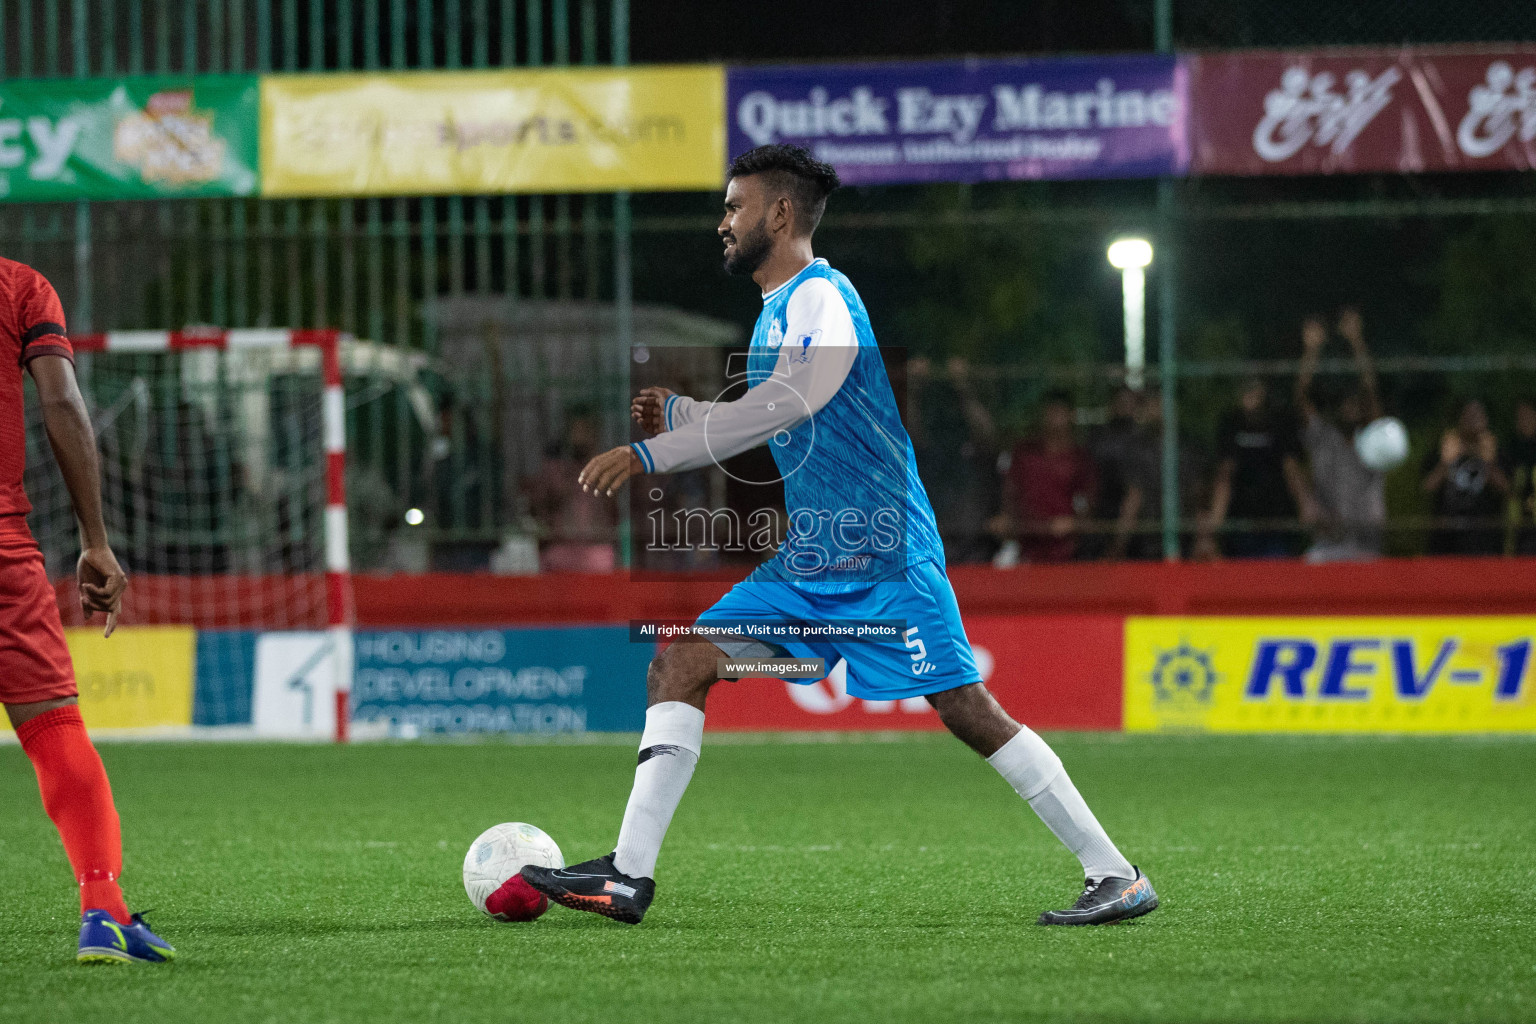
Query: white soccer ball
496, 857
1383, 444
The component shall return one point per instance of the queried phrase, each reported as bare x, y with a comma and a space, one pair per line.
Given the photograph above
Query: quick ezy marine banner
970, 120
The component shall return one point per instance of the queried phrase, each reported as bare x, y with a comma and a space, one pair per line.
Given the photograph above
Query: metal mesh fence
471, 415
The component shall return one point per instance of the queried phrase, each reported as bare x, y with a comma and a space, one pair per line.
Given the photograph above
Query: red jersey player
37, 679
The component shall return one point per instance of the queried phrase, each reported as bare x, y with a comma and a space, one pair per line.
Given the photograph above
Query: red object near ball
516, 900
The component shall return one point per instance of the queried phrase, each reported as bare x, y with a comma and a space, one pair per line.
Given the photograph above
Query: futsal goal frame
339, 603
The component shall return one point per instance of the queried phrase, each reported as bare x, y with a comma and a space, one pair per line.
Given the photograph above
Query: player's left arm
819, 350
68, 423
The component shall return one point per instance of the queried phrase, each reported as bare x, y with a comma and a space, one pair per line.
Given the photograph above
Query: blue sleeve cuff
645, 456
667, 410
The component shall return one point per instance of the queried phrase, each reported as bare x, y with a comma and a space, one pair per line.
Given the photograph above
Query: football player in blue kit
861, 546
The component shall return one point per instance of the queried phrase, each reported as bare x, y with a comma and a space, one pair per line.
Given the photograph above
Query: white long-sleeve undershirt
817, 353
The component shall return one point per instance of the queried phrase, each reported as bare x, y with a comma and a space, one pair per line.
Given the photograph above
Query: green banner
139, 138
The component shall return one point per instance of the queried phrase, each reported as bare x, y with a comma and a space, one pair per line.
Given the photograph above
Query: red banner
1351, 111
1050, 672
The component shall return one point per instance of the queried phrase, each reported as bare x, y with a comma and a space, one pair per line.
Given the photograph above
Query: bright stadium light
415, 516
1131, 256
1129, 253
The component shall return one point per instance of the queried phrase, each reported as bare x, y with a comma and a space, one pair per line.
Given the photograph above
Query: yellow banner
1401, 674
563, 130
141, 678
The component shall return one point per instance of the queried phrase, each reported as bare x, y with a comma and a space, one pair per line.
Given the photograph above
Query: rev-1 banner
1351, 111
971, 120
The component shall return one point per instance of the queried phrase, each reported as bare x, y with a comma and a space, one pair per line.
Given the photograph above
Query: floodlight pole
1133, 284
1132, 256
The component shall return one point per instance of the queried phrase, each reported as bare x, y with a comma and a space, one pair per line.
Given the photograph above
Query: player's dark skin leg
686, 670
683, 672
19, 713
975, 717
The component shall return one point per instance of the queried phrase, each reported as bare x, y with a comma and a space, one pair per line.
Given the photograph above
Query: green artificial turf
1301, 879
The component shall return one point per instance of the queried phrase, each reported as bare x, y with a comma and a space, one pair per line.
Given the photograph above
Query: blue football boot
104, 941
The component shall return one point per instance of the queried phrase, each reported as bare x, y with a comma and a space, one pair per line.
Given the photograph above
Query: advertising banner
566, 130
1054, 672
1405, 111
294, 693
139, 678
970, 120
557, 680
139, 138
1338, 675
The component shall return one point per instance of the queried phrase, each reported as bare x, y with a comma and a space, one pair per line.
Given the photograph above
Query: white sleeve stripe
818, 305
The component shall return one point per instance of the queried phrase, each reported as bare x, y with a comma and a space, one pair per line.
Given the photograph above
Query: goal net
223, 462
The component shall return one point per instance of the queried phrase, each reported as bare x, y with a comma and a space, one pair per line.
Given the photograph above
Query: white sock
1035, 772
669, 748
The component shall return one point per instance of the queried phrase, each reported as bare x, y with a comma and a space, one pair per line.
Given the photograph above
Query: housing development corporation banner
564, 130
572, 679
1340, 675
1400, 110
970, 120
135, 138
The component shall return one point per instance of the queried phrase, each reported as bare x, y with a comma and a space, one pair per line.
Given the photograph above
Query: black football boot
1107, 901
595, 886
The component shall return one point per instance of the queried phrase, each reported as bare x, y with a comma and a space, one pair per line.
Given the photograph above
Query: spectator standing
1115, 448
1258, 479
1522, 471
1351, 497
1138, 522
1468, 486
1049, 486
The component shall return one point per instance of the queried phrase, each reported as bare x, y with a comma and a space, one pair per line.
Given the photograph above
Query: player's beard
750, 252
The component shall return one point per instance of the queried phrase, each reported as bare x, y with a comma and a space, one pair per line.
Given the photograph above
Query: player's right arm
68, 423
819, 350
803, 380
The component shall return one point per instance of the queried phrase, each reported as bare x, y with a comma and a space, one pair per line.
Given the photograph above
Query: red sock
78, 798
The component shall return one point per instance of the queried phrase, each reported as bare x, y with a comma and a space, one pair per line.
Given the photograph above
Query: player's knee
951, 714
952, 704
681, 672
974, 717
22, 713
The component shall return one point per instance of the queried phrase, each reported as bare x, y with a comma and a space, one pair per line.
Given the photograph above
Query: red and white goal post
256, 577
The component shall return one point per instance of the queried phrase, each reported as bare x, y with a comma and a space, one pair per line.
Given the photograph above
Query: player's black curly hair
793, 170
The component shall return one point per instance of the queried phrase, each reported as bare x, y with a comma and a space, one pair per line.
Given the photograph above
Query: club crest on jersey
802, 349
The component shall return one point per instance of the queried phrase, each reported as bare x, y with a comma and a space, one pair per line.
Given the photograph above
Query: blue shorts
933, 656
